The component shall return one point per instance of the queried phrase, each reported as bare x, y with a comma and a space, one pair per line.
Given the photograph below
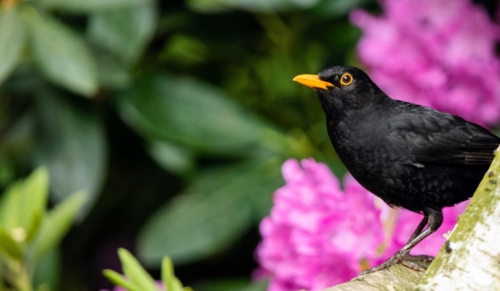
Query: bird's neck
333, 109
351, 123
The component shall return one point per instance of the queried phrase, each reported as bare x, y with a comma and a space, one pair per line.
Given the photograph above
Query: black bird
409, 155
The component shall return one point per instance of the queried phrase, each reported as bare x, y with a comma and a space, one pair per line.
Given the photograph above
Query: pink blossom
437, 53
316, 237
313, 238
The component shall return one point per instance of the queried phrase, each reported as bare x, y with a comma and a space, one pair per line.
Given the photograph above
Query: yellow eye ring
346, 79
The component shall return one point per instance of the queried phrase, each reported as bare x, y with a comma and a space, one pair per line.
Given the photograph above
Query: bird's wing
439, 138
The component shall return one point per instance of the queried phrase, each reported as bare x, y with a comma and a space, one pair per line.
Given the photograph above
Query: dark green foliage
189, 112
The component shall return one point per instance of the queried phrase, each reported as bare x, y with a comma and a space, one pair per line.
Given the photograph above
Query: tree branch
396, 278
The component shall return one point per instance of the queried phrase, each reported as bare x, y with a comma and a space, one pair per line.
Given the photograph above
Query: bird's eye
346, 79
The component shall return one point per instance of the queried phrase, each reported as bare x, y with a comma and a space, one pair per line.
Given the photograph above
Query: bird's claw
417, 263
418, 258
414, 265
385, 265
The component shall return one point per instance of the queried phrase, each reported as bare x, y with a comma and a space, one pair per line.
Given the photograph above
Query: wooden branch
396, 278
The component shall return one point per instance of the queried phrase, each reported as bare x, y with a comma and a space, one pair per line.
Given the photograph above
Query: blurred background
173, 116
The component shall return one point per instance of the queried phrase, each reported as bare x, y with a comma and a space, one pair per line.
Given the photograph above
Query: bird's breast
370, 159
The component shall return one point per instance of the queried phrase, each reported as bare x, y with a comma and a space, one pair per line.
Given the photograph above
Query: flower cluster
319, 235
436, 53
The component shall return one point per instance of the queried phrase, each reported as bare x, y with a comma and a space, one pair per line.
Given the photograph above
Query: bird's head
342, 88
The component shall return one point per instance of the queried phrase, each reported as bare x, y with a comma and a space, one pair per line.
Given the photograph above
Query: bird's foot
385, 265
417, 263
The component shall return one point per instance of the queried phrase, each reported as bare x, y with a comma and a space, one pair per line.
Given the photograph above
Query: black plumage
410, 156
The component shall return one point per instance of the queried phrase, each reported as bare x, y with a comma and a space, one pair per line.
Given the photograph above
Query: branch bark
469, 259
396, 278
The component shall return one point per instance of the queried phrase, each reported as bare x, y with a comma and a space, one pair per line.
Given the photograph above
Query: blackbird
409, 155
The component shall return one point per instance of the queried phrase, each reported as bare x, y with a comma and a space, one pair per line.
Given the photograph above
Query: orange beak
312, 81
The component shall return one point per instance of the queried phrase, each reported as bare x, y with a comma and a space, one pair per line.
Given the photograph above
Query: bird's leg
434, 221
418, 230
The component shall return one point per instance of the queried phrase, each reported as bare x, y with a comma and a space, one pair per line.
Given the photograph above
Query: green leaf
337, 8
7, 166
35, 189
113, 73
62, 55
192, 227
173, 158
24, 200
48, 270
184, 50
167, 275
56, 224
135, 272
8, 245
125, 32
274, 72
167, 272
89, 5
2, 286
11, 206
260, 285
216, 210
267, 178
34, 226
233, 284
117, 279
75, 151
213, 6
12, 39
189, 112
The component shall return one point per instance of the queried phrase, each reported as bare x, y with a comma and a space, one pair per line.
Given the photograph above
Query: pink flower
437, 53
319, 235
314, 238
